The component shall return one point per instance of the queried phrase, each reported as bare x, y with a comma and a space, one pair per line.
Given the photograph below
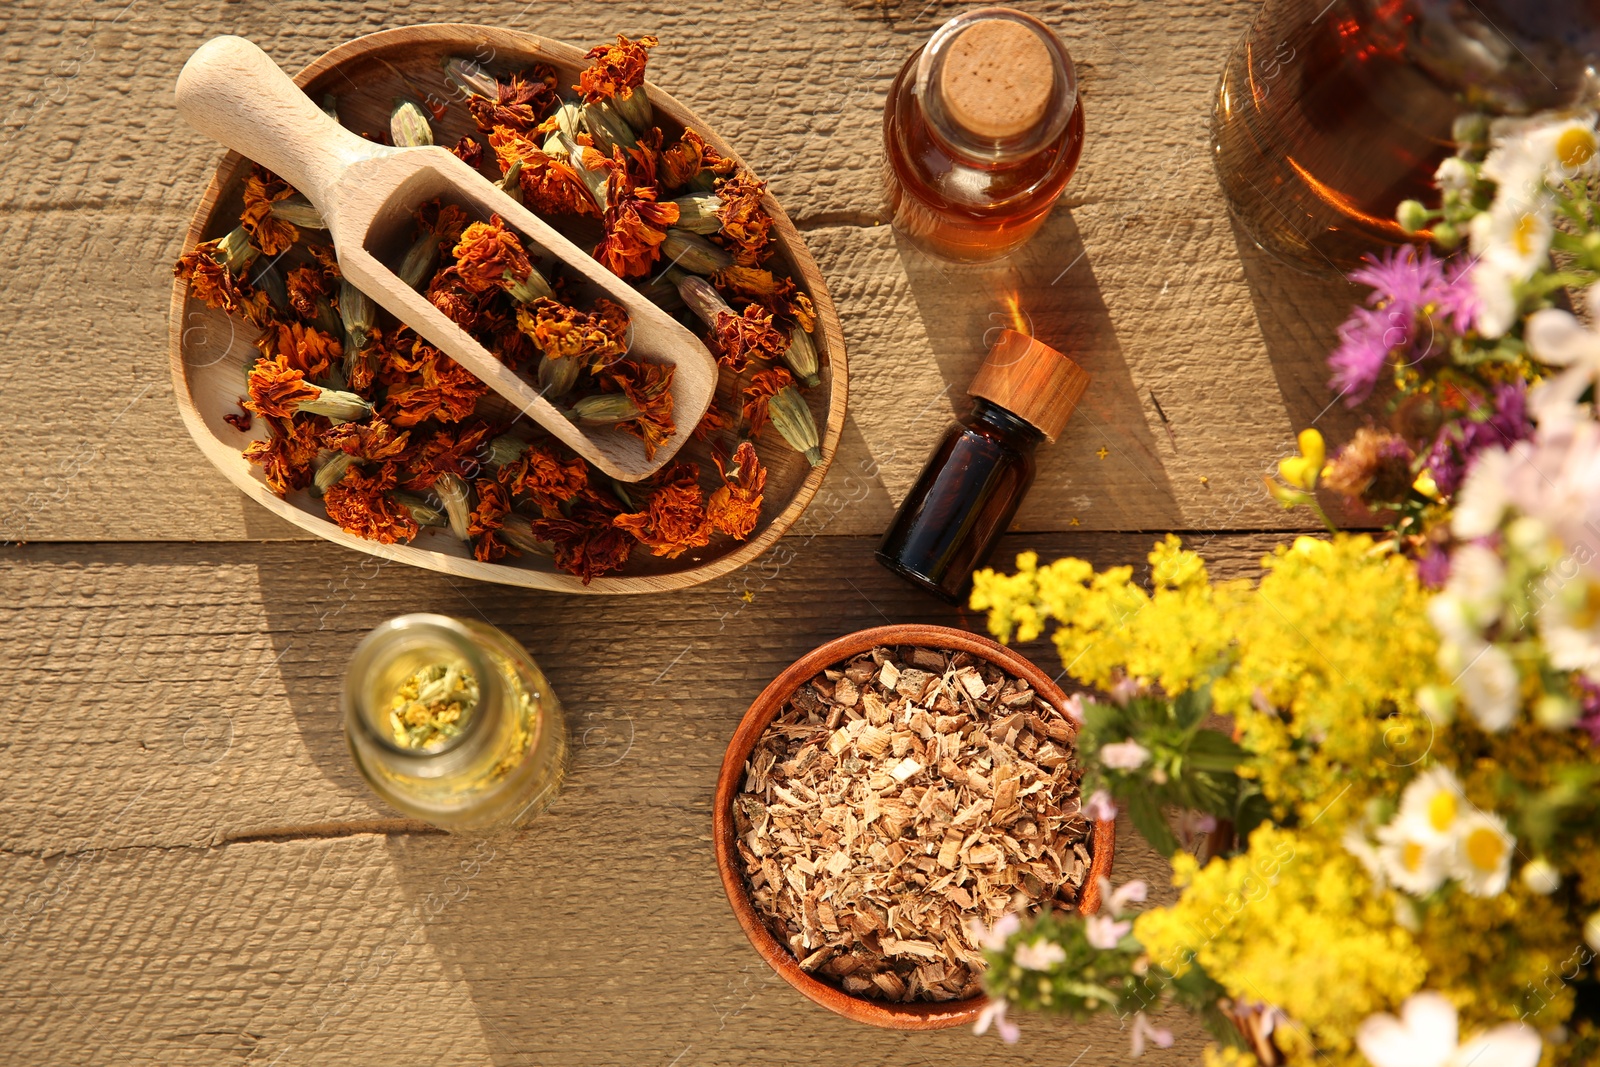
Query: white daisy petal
1512, 1045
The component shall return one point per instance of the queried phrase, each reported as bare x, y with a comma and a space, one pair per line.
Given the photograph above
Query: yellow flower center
1442, 811
1485, 849
1575, 146
1411, 856
1522, 236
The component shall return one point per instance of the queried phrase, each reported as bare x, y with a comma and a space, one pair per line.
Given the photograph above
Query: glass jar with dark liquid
1331, 112
982, 129
970, 490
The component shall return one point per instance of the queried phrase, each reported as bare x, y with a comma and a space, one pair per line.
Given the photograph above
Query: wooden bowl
209, 350
924, 1015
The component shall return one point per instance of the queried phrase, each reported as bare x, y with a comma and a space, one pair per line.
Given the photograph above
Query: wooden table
192, 871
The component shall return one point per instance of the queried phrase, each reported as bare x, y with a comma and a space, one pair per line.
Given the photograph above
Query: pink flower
1124, 689
993, 938
1142, 1031
1100, 807
1073, 709
1127, 755
1133, 892
1104, 932
1039, 955
995, 1012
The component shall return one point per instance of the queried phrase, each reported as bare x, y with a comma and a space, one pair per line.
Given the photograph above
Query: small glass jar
982, 129
498, 760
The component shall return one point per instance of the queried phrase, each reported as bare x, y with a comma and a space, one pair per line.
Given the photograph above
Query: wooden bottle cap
996, 79
1032, 381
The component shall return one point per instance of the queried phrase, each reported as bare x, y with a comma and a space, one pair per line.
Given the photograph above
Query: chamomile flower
1409, 862
1489, 686
1482, 859
1433, 805
1569, 626
1427, 1035
1478, 582
1556, 338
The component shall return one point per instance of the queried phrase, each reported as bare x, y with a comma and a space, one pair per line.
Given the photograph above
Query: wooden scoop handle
232, 91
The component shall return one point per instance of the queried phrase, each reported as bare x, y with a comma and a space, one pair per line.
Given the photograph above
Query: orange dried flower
746, 226
614, 67
683, 161
714, 421
598, 338
287, 455
520, 103
649, 386
487, 517
267, 232
450, 292
755, 283
674, 520
635, 223
306, 286
435, 387
737, 339
459, 452
444, 221
586, 544
545, 477
373, 440
305, 348
360, 504
214, 285
550, 186
469, 150
277, 389
489, 256
759, 393
736, 506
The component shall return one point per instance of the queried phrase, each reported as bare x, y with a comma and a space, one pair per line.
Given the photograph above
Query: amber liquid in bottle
975, 192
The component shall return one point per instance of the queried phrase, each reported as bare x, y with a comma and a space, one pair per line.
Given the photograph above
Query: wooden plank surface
192, 872
1139, 273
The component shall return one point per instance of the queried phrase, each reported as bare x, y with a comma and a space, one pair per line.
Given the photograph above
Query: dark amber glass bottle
975, 480
982, 129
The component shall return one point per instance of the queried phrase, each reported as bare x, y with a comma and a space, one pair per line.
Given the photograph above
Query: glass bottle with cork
972, 485
452, 722
982, 129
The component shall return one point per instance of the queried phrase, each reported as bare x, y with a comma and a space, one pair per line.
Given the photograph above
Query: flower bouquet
1388, 853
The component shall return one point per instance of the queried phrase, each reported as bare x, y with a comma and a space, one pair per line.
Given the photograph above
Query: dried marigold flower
215, 271
305, 286
519, 103
487, 517
489, 256
737, 339
614, 67
549, 185
746, 226
267, 232
545, 477
691, 161
674, 518
649, 387
460, 451
759, 393
714, 421
286, 456
280, 390
461, 303
736, 506
305, 348
635, 224
585, 544
373, 440
594, 339
439, 387
470, 151
444, 221
360, 504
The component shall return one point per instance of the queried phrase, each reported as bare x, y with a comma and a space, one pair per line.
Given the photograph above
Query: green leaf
1190, 708
1145, 811
1215, 751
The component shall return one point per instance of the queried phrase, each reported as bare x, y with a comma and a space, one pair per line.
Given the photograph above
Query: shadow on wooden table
600, 933
1047, 289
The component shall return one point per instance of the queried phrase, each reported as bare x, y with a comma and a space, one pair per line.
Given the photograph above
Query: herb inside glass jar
428, 708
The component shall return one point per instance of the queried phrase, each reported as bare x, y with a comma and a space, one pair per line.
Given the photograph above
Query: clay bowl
912, 1016
209, 350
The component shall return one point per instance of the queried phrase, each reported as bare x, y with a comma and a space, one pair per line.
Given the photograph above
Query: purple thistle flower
1414, 296
1459, 442
1433, 569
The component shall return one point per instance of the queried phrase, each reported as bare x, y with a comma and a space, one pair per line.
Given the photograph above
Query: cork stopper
996, 79
1032, 381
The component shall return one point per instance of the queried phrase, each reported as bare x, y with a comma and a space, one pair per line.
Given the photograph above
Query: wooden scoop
233, 91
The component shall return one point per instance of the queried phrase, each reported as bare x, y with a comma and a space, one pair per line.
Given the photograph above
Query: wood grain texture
1139, 274
191, 871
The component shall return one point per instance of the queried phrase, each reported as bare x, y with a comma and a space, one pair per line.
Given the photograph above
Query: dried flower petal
635, 223
460, 301
287, 454
435, 387
674, 519
267, 232
212, 282
649, 386
759, 393
489, 256
459, 451
277, 389
520, 102
737, 339
445, 221
487, 517
305, 348
586, 544
373, 440
470, 151
614, 67
550, 186
685, 161
736, 506
305, 286
597, 339
746, 226
360, 504
545, 477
